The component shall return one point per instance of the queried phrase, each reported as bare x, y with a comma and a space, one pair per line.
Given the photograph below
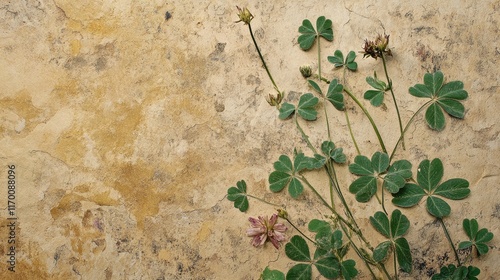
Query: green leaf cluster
330, 151
238, 194
309, 34
325, 261
477, 237
392, 229
376, 95
286, 173
365, 186
444, 97
305, 109
451, 272
429, 176
334, 93
338, 60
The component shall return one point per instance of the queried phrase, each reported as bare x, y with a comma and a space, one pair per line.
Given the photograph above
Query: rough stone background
128, 120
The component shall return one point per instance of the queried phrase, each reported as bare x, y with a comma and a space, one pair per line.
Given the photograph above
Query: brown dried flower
377, 48
244, 15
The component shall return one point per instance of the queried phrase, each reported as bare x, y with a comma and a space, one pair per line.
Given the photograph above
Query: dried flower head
266, 229
306, 71
377, 48
244, 15
275, 100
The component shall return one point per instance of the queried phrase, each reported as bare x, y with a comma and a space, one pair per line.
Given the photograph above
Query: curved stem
369, 118
297, 229
389, 82
304, 136
262, 200
407, 126
449, 240
262, 59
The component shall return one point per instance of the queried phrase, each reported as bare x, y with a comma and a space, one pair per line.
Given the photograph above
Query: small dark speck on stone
168, 15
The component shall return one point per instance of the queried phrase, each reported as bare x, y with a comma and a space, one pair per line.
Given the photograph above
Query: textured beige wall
126, 129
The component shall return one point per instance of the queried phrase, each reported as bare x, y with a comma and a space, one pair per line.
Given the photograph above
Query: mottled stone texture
128, 120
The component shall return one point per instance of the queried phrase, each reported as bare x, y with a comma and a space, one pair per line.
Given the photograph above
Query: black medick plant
330, 237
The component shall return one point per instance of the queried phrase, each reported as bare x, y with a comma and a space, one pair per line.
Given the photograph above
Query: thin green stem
408, 126
304, 136
262, 59
389, 82
297, 229
449, 240
347, 118
369, 118
319, 58
262, 200
327, 122
395, 268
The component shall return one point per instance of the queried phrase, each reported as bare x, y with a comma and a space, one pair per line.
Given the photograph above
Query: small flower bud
306, 71
275, 100
244, 15
282, 213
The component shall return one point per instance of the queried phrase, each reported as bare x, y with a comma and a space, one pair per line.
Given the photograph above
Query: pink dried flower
263, 229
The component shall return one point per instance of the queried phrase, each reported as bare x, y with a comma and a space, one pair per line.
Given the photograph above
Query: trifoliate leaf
239, 196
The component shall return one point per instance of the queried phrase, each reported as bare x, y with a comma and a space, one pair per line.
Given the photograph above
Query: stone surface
128, 120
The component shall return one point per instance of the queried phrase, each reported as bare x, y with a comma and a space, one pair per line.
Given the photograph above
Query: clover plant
325, 248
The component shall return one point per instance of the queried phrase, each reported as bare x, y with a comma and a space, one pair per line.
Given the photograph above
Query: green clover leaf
308, 33
451, 272
397, 175
335, 96
336, 154
238, 195
297, 250
300, 271
269, 274
306, 105
376, 95
338, 60
392, 229
478, 238
429, 175
286, 110
445, 97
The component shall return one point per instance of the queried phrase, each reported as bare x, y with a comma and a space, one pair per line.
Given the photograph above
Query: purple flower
263, 229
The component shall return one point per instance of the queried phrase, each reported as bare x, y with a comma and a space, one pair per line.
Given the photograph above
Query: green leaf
335, 96
437, 207
382, 251
348, 269
453, 189
286, 110
376, 83
328, 267
306, 40
451, 272
403, 254
393, 183
324, 27
420, 90
401, 168
315, 86
297, 250
471, 228
239, 196
336, 239
337, 59
350, 63
364, 188
316, 225
268, 274
435, 117
295, 188
284, 164
338, 156
464, 245
380, 162
483, 235
453, 107
434, 81
453, 90
306, 107
429, 174
302, 162
376, 97
478, 238
278, 180
410, 195
362, 166
399, 224
300, 271
380, 222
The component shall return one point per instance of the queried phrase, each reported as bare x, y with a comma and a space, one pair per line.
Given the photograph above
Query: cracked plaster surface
127, 121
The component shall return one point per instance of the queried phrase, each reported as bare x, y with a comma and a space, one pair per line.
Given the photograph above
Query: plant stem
395, 267
304, 136
369, 118
262, 59
297, 229
407, 126
449, 240
319, 58
347, 119
389, 82
262, 200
